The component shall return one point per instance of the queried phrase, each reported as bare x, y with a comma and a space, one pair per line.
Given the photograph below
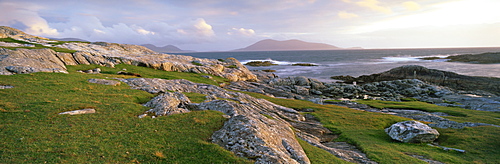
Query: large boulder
412, 132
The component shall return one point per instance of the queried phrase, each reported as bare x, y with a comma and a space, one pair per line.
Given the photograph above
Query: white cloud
374, 5
241, 32
25, 14
411, 6
346, 15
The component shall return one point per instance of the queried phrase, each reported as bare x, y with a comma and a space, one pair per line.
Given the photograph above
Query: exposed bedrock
257, 129
109, 54
437, 77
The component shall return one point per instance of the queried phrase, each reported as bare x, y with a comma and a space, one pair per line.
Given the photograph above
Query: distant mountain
164, 49
287, 45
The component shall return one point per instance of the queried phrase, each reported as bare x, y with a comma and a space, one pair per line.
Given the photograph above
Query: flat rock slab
81, 111
104, 82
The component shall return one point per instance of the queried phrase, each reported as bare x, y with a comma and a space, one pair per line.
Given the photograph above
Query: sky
221, 25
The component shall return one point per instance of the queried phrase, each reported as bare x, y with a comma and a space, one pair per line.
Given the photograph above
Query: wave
400, 59
279, 62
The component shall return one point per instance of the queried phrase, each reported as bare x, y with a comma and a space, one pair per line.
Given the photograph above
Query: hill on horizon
164, 49
294, 44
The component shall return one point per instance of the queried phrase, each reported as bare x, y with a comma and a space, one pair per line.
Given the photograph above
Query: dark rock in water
484, 58
437, 77
260, 63
304, 64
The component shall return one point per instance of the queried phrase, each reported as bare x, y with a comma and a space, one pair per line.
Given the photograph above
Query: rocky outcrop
46, 60
28, 61
257, 129
107, 54
9, 32
412, 132
437, 77
484, 58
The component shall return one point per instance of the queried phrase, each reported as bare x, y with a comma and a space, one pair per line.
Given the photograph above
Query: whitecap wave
279, 62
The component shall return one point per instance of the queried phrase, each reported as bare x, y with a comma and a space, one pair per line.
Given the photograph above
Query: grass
33, 132
366, 131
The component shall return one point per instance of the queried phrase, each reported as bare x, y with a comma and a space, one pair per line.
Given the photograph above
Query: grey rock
81, 111
412, 132
168, 103
104, 82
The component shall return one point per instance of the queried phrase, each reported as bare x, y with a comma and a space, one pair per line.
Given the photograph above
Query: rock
22, 61
437, 77
104, 82
81, 111
412, 132
168, 103
484, 58
108, 54
6, 86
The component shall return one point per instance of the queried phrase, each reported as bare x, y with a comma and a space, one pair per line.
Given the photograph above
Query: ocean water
358, 62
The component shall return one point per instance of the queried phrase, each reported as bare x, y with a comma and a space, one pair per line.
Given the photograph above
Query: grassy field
366, 130
31, 130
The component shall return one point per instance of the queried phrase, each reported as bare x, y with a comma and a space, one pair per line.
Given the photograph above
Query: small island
260, 63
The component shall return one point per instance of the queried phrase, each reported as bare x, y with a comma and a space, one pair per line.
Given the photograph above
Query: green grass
366, 131
37, 46
457, 114
31, 130
195, 97
318, 155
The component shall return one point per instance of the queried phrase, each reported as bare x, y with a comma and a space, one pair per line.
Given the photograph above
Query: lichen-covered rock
412, 132
168, 103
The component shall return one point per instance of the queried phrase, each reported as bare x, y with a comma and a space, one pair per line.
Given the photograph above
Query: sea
357, 62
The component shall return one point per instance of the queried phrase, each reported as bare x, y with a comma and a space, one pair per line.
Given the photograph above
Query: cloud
411, 6
241, 32
346, 15
374, 5
26, 16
